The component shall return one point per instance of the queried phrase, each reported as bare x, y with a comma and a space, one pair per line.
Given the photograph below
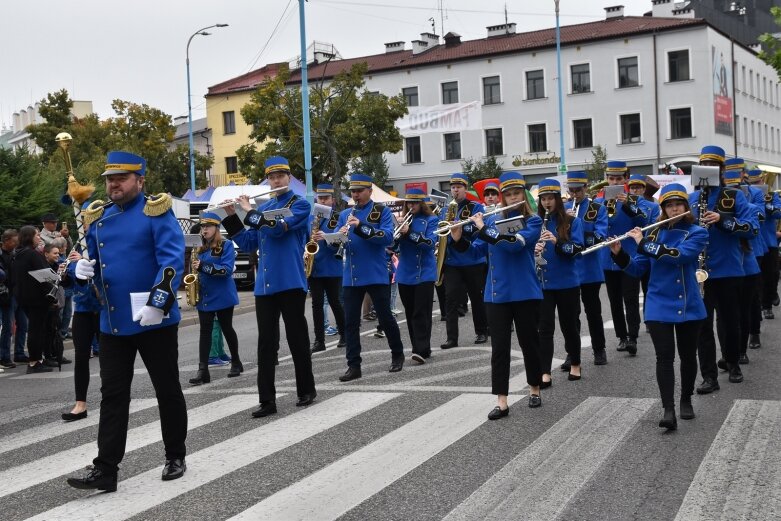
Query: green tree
596, 167
771, 52
346, 121
29, 191
477, 169
55, 109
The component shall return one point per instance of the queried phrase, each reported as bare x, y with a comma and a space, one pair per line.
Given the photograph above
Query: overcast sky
105, 49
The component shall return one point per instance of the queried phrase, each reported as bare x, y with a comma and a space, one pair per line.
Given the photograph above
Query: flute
624, 236
235, 201
445, 230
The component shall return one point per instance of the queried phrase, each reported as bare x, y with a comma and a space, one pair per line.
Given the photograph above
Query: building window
581, 78
738, 135
410, 96
678, 65
494, 145
743, 78
582, 133
630, 128
745, 131
753, 135
450, 92
628, 75
535, 84
412, 146
453, 146
680, 123
229, 122
231, 165
538, 138
751, 82
492, 92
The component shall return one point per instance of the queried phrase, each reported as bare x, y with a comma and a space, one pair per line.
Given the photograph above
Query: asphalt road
411, 445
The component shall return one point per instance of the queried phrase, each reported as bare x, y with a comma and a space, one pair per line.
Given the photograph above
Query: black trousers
291, 305
524, 314
722, 297
206, 319
754, 327
663, 335
332, 287
589, 295
623, 290
748, 297
159, 349
457, 279
353, 300
37, 330
85, 326
442, 298
769, 267
568, 303
418, 305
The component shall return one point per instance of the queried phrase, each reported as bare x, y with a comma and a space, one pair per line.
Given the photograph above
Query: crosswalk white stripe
539, 482
50, 430
339, 487
739, 476
28, 411
145, 490
46, 468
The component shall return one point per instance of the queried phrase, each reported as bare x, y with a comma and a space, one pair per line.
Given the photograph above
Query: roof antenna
506, 22
433, 25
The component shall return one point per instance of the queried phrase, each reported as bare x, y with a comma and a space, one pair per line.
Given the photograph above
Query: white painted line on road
540, 482
28, 411
51, 430
341, 486
609, 324
145, 490
49, 467
739, 476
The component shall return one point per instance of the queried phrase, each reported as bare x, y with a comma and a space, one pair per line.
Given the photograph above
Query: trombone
624, 236
405, 222
231, 202
445, 230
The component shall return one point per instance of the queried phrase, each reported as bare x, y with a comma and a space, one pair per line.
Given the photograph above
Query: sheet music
612, 192
510, 226
334, 238
279, 213
45, 275
137, 301
322, 211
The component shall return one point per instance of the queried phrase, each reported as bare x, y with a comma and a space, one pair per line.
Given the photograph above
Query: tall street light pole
562, 162
305, 104
201, 32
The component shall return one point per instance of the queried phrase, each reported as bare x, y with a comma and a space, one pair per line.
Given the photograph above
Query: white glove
149, 316
85, 269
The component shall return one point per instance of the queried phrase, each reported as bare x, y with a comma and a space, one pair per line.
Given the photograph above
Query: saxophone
311, 248
702, 273
450, 216
192, 282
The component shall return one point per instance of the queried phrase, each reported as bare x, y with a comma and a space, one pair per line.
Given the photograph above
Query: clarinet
539, 260
340, 251
702, 273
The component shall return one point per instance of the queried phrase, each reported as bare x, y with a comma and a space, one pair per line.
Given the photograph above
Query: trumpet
614, 240
444, 231
405, 222
232, 202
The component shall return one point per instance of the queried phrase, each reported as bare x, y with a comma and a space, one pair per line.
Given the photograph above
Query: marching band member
491, 194
512, 291
558, 276
369, 230
417, 272
623, 290
326, 277
280, 284
769, 262
727, 216
464, 270
636, 186
217, 296
675, 307
593, 218
759, 248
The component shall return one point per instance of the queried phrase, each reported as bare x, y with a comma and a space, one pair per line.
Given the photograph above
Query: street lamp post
562, 162
202, 32
305, 103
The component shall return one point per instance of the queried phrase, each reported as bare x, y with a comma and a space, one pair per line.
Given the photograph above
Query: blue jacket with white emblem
326, 264
772, 214
366, 261
470, 257
593, 218
218, 291
561, 272
625, 217
417, 262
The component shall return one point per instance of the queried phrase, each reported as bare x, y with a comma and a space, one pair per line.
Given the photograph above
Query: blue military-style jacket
417, 262
671, 254
772, 214
561, 272
218, 291
326, 264
470, 257
280, 243
511, 274
756, 199
651, 209
593, 218
365, 259
136, 253
625, 217
724, 254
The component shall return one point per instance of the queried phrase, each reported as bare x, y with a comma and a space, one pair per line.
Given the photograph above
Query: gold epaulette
93, 212
157, 205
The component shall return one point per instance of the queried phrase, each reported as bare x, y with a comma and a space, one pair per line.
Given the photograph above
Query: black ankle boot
687, 411
202, 377
669, 421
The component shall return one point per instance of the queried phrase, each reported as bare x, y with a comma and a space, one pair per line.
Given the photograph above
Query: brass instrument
444, 230
702, 273
452, 207
405, 222
644, 229
594, 189
610, 204
311, 248
192, 282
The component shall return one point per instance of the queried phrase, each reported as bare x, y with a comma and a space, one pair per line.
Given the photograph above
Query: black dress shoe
449, 344
71, 417
573, 377
754, 342
621, 345
396, 364
735, 374
631, 346
353, 373
264, 409
306, 399
38, 367
174, 469
743, 359
600, 357
545, 385
236, 369
418, 359
202, 376
481, 338
708, 386
497, 412
318, 346
687, 411
669, 421
534, 401
96, 479
342, 342
566, 365
722, 364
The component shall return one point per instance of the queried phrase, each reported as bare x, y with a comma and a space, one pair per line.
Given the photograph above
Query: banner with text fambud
454, 117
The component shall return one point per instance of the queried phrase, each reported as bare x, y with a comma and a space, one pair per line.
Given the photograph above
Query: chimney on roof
394, 47
756, 47
616, 11
418, 46
430, 38
500, 30
452, 39
662, 8
17, 125
683, 12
